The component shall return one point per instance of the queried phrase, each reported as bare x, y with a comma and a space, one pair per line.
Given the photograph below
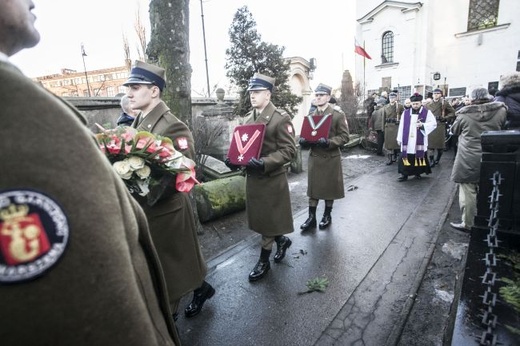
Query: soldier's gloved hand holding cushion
303, 143
323, 142
230, 165
256, 164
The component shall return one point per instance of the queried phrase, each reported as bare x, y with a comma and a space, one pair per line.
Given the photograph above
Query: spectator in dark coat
510, 95
370, 104
482, 115
127, 114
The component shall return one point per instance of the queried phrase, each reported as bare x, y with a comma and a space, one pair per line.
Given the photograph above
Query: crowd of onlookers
509, 94
460, 122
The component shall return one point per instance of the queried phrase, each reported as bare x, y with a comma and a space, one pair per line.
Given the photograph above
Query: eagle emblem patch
182, 142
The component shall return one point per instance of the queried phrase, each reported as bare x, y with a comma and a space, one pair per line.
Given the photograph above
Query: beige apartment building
100, 83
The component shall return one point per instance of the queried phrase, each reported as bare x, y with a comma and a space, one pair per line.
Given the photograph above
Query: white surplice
429, 125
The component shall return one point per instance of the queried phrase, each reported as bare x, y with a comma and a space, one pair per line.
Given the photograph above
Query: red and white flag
360, 50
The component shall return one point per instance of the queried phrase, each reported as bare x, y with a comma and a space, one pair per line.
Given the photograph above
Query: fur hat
480, 94
510, 80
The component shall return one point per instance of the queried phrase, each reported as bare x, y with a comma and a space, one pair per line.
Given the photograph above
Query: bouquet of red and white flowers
145, 160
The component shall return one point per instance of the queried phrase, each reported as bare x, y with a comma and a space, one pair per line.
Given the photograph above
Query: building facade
109, 83
453, 45
96, 83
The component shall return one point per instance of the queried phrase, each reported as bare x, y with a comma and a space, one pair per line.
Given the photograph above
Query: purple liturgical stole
419, 144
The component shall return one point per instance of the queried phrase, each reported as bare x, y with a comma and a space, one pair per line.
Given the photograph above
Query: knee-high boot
326, 219
311, 220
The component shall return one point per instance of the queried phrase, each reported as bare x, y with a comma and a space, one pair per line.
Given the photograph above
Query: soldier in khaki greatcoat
443, 112
77, 264
392, 115
325, 173
171, 218
268, 203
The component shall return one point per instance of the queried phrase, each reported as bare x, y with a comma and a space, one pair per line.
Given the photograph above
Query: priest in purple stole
416, 123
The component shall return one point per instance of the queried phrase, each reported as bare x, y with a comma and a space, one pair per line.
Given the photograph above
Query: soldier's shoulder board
338, 109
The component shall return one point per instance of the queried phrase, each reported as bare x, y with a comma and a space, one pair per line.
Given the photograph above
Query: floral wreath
146, 161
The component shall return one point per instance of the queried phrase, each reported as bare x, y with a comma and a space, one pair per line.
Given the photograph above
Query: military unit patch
34, 233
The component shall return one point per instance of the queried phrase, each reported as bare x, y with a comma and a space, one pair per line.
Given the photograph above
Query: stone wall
106, 110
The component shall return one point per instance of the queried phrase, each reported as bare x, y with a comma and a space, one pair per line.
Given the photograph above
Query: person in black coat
510, 95
127, 114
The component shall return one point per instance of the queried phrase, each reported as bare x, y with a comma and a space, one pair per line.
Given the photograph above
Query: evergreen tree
248, 54
349, 102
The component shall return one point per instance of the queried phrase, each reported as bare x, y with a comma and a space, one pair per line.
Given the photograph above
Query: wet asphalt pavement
374, 256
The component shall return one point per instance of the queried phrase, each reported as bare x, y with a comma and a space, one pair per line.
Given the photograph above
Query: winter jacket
511, 97
471, 121
378, 118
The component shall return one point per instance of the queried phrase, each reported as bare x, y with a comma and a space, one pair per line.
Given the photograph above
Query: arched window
387, 47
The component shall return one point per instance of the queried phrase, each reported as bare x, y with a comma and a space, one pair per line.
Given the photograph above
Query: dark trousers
380, 142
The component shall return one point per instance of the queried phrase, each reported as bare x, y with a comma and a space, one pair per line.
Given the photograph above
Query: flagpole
364, 74
83, 55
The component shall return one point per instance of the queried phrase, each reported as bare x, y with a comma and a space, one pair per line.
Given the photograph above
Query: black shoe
309, 223
200, 295
325, 221
282, 248
261, 268
436, 162
433, 164
402, 177
389, 162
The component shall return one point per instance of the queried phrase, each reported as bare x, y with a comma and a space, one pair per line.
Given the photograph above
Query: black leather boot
262, 266
390, 161
326, 219
282, 244
200, 295
311, 220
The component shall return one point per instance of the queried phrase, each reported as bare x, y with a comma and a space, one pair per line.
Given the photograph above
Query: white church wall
433, 38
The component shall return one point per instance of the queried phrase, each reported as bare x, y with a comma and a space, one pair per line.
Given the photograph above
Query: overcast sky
323, 30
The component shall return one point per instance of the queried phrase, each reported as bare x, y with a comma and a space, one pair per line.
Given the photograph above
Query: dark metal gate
484, 317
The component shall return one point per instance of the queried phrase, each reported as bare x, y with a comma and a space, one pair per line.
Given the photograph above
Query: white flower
143, 172
123, 169
135, 162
